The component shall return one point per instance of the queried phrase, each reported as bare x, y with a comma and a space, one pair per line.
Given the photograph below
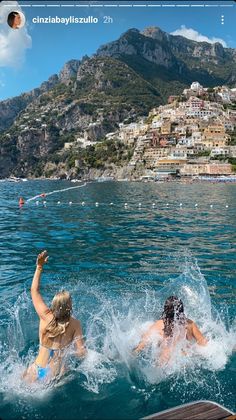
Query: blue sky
42, 49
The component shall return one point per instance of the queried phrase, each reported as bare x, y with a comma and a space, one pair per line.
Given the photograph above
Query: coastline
144, 179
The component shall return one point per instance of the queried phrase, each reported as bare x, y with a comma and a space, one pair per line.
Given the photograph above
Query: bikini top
50, 350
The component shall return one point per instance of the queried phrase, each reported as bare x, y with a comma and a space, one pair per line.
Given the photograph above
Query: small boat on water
104, 179
147, 178
15, 179
75, 180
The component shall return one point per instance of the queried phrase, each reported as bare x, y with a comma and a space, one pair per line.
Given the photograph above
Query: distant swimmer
57, 330
172, 328
21, 202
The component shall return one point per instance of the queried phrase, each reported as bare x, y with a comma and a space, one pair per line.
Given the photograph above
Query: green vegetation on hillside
117, 87
99, 156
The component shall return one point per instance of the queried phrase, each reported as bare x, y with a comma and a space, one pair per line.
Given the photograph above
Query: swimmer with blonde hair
57, 330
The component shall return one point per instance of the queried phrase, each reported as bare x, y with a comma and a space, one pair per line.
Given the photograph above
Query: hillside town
194, 134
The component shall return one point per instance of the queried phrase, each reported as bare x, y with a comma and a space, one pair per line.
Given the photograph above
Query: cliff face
91, 96
133, 43
94, 97
180, 45
169, 61
69, 71
11, 108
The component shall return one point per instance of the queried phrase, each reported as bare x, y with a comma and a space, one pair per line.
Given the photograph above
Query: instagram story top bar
134, 3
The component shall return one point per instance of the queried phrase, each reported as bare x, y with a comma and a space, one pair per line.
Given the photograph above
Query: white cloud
196, 36
13, 42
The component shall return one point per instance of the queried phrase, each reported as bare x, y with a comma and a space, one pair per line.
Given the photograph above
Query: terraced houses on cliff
193, 129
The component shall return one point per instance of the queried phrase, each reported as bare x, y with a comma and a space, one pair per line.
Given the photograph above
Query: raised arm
40, 306
79, 341
199, 337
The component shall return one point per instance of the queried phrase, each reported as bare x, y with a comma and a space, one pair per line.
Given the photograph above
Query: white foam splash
113, 329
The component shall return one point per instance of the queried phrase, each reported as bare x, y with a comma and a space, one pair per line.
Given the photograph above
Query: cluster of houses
191, 134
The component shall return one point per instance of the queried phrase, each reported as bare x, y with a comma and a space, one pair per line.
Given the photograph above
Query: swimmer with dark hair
14, 20
172, 327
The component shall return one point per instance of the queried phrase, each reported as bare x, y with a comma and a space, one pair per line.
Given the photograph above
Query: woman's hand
42, 259
40, 306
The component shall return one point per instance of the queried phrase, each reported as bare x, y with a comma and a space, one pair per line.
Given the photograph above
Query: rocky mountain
91, 96
169, 61
69, 71
10, 108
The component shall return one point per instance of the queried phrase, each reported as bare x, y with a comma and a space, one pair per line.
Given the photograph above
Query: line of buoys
126, 205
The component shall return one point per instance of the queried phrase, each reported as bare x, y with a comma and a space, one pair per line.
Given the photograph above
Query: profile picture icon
16, 20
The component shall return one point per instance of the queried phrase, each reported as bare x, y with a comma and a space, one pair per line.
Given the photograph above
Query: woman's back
173, 328
52, 349
61, 340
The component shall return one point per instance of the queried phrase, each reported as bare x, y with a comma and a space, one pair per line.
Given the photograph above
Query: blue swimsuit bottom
44, 372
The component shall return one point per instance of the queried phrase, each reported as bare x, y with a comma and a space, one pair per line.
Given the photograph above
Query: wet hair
61, 309
11, 18
173, 313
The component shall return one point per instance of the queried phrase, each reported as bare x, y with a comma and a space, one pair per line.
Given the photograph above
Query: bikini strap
49, 348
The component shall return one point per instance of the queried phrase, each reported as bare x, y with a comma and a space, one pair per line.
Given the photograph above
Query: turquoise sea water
120, 263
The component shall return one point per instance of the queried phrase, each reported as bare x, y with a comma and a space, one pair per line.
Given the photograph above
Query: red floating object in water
21, 202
